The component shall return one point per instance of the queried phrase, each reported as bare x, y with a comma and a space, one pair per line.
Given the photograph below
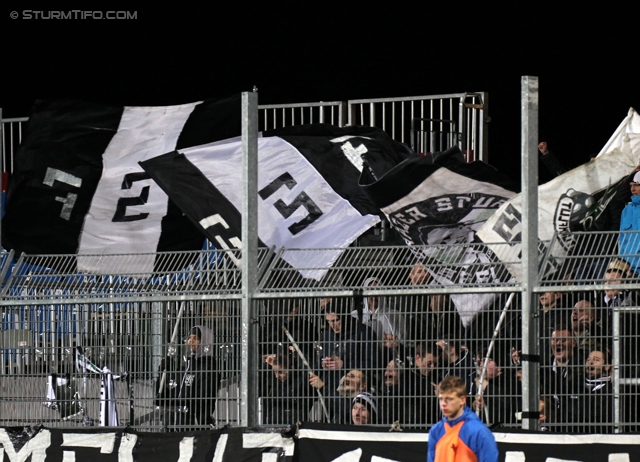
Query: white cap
636, 178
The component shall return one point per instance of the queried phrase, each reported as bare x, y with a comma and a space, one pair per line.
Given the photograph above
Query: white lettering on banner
68, 456
351, 153
514, 456
619, 458
354, 154
382, 459
104, 441
351, 456
127, 443
186, 449
218, 455
215, 220
268, 440
553, 459
51, 176
35, 448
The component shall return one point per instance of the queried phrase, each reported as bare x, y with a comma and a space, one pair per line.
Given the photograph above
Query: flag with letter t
309, 197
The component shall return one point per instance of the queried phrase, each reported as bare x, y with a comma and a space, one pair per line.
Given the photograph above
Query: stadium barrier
375, 330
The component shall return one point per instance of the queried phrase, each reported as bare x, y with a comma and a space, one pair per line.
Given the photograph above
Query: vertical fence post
529, 174
248, 392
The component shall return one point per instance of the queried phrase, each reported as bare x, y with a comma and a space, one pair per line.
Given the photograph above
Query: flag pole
249, 261
529, 175
306, 363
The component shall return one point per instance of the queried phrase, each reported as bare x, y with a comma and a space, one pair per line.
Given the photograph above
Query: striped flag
308, 189
77, 186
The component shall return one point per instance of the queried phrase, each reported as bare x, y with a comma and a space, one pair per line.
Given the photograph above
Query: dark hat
196, 331
368, 400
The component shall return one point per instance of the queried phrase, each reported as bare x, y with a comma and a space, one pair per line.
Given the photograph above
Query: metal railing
377, 323
430, 123
285, 115
426, 123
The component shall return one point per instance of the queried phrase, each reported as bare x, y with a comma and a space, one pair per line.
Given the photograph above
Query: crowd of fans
381, 364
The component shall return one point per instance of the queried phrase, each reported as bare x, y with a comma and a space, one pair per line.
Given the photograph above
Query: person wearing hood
345, 344
388, 324
629, 243
188, 383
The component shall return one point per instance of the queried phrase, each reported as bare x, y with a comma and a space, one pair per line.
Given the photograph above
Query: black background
586, 60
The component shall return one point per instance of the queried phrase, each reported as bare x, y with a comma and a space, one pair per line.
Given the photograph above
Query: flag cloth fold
444, 202
570, 202
308, 190
108, 404
77, 186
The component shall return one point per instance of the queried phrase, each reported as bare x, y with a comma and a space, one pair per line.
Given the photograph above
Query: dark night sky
585, 62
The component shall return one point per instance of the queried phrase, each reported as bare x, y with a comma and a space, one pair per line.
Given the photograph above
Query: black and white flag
308, 190
445, 202
566, 203
77, 186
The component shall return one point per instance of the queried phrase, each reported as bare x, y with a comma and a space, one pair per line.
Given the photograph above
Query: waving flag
77, 186
445, 202
567, 203
308, 188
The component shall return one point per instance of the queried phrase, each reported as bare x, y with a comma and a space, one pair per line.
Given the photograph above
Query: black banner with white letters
313, 443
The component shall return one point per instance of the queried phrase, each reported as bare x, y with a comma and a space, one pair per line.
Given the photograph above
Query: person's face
373, 302
419, 275
493, 370
360, 414
596, 365
548, 299
562, 344
451, 405
334, 322
635, 189
280, 372
612, 277
352, 382
391, 376
582, 316
193, 341
427, 364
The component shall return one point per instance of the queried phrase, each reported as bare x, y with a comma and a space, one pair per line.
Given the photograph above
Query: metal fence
364, 344
426, 123
430, 123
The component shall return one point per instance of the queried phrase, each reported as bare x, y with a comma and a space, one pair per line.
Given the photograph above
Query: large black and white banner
308, 190
313, 443
322, 443
565, 203
77, 186
19, 444
444, 202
